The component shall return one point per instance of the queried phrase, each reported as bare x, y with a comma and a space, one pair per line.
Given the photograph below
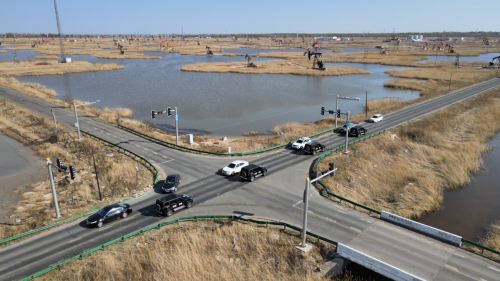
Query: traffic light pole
54, 195
346, 133
176, 126
337, 107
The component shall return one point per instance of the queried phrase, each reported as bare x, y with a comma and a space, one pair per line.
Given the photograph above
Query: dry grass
45, 57
202, 251
295, 67
492, 240
9, 69
117, 174
406, 174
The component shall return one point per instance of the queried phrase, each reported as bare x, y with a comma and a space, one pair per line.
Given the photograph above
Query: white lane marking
145, 149
353, 228
451, 267
341, 212
459, 255
495, 269
155, 153
167, 161
137, 145
297, 203
482, 279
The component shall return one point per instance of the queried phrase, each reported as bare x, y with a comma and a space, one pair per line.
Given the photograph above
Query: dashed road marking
451, 267
167, 161
459, 255
495, 269
353, 228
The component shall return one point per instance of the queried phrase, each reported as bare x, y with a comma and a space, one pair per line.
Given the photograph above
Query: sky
247, 17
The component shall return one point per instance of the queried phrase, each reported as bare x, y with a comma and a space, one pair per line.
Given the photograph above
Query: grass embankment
45, 57
117, 174
118, 55
405, 170
295, 67
26, 68
492, 240
202, 251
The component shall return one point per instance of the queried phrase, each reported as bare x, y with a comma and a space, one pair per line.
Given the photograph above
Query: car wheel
189, 204
100, 224
169, 213
314, 151
322, 149
252, 178
264, 173
175, 190
232, 173
124, 215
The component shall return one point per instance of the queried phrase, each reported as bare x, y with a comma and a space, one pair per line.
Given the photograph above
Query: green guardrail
328, 193
146, 162
158, 226
168, 144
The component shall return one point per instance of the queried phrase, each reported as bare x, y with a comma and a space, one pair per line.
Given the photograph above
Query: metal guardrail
158, 226
168, 144
315, 169
155, 180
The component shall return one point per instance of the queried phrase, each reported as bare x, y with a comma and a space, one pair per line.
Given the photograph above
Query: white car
234, 167
300, 143
375, 118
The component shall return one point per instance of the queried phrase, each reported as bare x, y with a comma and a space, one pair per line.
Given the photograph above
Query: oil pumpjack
318, 60
249, 63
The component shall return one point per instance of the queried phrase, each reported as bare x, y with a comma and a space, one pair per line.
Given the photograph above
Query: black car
171, 183
312, 147
172, 203
109, 213
252, 171
357, 130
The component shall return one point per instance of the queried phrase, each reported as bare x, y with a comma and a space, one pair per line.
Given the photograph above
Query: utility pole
366, 105
54, 117
61, 39
77, 125
449, 85
97, 177
54, 195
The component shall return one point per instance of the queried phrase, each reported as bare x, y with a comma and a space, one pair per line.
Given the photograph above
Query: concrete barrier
375, 265
420, 227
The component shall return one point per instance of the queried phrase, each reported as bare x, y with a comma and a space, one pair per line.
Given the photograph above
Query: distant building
322, 38
72, 40
415, 38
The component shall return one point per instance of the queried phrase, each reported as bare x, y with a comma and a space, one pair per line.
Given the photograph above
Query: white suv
300, 143
234, 167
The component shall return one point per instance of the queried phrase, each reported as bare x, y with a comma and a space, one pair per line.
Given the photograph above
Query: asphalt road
277, 196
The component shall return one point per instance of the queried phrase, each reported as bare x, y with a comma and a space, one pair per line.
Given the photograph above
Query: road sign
176, 117
282, 133
347, 123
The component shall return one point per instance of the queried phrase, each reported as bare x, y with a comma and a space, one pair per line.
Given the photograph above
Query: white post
306, 205
58, 215
176, 127
77, 125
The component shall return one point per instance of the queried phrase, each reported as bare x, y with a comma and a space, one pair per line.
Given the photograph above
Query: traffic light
72, 172
338, 113
60, 165
169, 111
322, 110
331, 167
153, 114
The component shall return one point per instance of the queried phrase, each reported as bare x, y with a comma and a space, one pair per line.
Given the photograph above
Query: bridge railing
168, 144
150, 166
102, 247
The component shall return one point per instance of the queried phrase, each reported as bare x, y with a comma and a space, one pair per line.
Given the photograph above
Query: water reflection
225, 104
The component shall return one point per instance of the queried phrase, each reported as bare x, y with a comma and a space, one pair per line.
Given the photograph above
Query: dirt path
19, 167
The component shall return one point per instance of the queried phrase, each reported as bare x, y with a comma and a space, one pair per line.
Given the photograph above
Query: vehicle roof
107, 208
304, 138
169, 197
238, 162
377, 115
250, 166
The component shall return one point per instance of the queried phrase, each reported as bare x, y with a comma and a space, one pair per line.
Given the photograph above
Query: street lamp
77, 125
337, 107
303, 245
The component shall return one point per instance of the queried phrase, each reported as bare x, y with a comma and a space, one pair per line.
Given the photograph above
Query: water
251, 51
224, 104
467, 211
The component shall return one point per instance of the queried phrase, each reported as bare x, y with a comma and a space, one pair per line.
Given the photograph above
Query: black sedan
109, 213
171, 183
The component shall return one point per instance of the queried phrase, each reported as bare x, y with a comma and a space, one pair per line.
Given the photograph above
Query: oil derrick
14, 54
249, 63
209, 52
318, 60
122, 50
61, 39
457, 60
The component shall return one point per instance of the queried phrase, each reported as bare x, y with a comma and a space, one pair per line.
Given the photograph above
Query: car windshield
231, 165
103, 212
170, 180
300, 141
375, 117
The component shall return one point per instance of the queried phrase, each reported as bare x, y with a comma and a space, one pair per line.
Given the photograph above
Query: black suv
357, 130
312, 147
173, 203
250, 172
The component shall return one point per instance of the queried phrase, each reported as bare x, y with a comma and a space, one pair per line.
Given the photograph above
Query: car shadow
157, 187
148, 211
